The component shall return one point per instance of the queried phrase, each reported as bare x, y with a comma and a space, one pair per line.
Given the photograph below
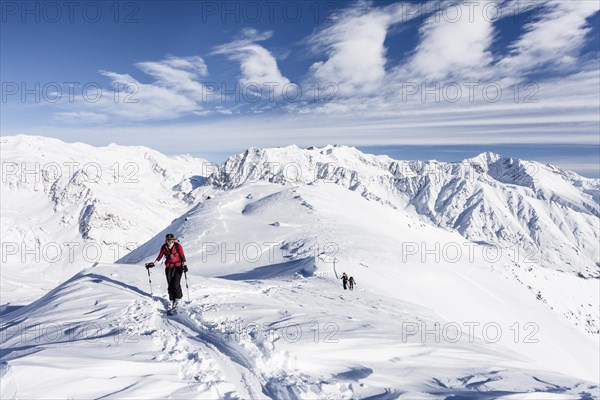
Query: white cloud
356, 55
455, 42
178, 74
552, 40
258, 66
145, 101
174, 92
354, 46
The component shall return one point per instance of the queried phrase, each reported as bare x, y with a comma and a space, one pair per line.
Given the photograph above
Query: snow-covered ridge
72, 202
537, 210
528, 207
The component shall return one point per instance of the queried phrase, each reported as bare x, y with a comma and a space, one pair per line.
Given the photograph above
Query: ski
172, 311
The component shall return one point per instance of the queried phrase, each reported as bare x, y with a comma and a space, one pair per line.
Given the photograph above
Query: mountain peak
486, 158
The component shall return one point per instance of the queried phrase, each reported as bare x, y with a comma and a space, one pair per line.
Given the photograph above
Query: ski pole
150, 281
187, 287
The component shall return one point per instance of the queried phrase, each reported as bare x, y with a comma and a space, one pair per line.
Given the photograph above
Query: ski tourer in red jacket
175, 266
173, 253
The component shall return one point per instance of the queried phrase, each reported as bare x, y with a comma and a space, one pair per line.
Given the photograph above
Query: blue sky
411, 79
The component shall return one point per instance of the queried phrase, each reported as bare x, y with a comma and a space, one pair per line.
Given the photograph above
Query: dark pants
344, 283
174, 281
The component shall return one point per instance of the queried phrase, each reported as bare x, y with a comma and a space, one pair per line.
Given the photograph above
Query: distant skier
175, 266
345, 280
351, 283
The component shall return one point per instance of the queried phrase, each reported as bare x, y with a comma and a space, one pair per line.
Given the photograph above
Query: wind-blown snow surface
268, 317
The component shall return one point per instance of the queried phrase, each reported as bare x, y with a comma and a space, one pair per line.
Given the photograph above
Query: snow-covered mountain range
445, 255
535, 210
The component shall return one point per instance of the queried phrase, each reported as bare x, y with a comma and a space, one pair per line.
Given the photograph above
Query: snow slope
271, 224
288, 337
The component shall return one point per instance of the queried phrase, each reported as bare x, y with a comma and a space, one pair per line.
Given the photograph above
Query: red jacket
173, 256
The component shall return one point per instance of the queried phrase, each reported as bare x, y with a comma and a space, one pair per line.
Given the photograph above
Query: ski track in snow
209, 359
214, 360
197, 364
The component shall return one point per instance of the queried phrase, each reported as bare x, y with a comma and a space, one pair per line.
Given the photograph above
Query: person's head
170, 238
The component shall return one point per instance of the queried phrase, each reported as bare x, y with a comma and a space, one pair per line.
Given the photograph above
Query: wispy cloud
453, 47
258, 66
175, 92
177, 74
552, 40
453, 84
353, 45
